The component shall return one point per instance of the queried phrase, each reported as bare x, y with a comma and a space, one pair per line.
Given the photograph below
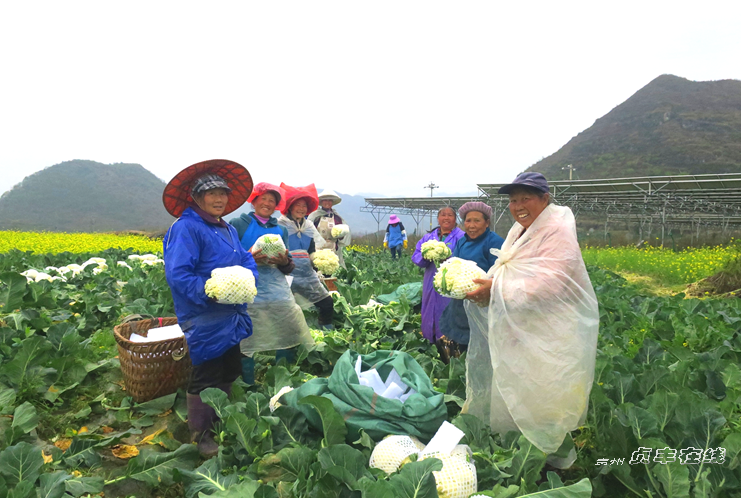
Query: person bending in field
476, 246
533, 345
396, 237
325, 218
197, 243
303, 239
433, 303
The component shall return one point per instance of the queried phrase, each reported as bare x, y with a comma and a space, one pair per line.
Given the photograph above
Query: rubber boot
328, 327
288, 354
248, 370
201, 418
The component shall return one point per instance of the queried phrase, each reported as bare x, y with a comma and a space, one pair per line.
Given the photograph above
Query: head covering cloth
479, 206
263, 188
293, 194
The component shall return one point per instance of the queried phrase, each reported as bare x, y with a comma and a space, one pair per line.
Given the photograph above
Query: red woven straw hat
176, 196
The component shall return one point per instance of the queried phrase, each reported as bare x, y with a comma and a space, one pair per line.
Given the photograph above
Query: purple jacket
433, 303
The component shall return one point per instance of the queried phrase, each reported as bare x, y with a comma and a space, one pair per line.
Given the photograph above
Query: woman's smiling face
265, 205
299, 209
526, 206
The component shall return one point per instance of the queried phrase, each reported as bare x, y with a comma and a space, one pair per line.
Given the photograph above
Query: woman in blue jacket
475, 246
197, 243
279, 323
396, 236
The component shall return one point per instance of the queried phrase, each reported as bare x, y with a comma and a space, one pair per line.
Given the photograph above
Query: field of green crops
664, 418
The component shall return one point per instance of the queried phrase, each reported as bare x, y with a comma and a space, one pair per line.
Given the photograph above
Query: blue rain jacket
193, 248
395, 234
478, 249
454, 321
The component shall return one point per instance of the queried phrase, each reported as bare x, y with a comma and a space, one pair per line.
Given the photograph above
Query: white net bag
270, 244
231, 285
392, 452
455, 276
458, 478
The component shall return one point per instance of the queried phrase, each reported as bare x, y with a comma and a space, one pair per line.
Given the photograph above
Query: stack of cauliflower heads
326, 261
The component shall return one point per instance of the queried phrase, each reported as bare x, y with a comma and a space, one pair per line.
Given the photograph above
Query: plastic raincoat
305, 282
278, 321
192, 249
530, 364
433, 303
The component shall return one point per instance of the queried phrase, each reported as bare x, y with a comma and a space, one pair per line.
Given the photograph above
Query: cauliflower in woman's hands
231, 285
270, 244
455, 277
339, 231
326, 261
435, 251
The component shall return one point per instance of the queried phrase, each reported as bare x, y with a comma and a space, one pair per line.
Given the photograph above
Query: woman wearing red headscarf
277, 321
303, 240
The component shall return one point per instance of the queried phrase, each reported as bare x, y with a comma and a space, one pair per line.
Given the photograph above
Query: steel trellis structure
690, 201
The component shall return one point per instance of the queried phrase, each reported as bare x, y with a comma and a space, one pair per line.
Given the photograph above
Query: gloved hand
385, 245
405, 244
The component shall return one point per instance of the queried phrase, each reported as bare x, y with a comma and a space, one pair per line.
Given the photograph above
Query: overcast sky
364, 97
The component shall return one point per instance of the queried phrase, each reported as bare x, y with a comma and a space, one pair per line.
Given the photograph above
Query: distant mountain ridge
86, 196
672, 126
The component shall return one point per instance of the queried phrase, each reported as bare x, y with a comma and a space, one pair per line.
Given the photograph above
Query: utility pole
571, 171
432, 187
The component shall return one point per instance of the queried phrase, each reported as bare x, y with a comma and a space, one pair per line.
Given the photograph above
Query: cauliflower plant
455, 277
435, 251
231, 285
326, 261
271, 245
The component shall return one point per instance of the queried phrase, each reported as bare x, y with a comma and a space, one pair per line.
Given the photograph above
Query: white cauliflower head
458, 478
231, 285
455, 277
271, 245
339, 231
435, 251
393, 452
326, 261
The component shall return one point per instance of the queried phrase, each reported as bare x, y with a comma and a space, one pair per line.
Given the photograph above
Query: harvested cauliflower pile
326, 261
455, 277
457, 478
231, 285
435, 251
270, 244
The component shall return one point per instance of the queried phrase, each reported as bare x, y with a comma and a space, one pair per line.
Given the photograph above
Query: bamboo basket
329, 282
152, 369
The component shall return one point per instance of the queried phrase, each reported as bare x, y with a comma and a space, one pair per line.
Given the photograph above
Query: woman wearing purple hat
475, 246
433, 303
532, 351
396, 236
